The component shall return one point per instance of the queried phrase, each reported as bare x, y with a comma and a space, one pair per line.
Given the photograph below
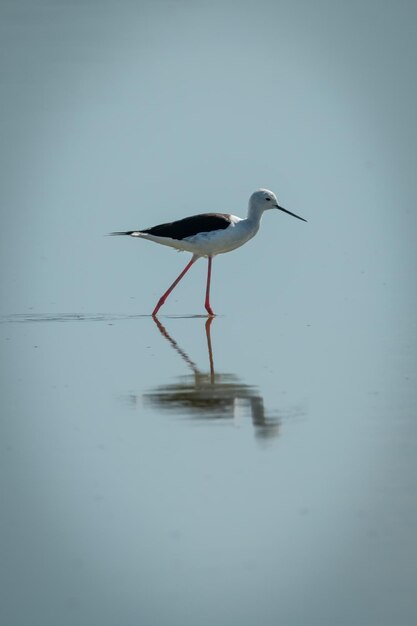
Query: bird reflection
211, 395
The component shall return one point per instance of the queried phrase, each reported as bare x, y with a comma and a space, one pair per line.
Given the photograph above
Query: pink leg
172, 287
210, 350
207, 303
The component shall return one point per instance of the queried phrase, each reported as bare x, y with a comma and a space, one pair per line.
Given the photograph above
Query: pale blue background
120, 115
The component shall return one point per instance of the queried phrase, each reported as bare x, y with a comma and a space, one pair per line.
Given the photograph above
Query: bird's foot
158, 306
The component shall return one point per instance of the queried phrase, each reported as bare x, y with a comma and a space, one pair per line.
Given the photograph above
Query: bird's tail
132, 233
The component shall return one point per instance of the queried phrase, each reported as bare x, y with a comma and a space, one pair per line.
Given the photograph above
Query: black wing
190, 226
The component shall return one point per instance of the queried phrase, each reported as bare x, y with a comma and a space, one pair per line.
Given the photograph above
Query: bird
209, 234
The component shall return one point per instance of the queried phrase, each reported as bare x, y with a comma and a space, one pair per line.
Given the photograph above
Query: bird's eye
268, 199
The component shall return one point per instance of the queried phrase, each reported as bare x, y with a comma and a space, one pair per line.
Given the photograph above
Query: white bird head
263, 199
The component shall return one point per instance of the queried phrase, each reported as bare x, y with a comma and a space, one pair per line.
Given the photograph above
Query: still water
194, 471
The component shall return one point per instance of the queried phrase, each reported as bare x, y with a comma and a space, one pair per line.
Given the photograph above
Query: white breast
220, 241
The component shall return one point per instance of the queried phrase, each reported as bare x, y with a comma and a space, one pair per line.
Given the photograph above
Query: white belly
213, 242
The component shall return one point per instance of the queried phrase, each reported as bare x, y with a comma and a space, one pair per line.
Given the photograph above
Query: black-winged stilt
209, 234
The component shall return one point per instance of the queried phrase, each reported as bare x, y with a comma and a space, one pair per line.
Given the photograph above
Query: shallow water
153, 474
